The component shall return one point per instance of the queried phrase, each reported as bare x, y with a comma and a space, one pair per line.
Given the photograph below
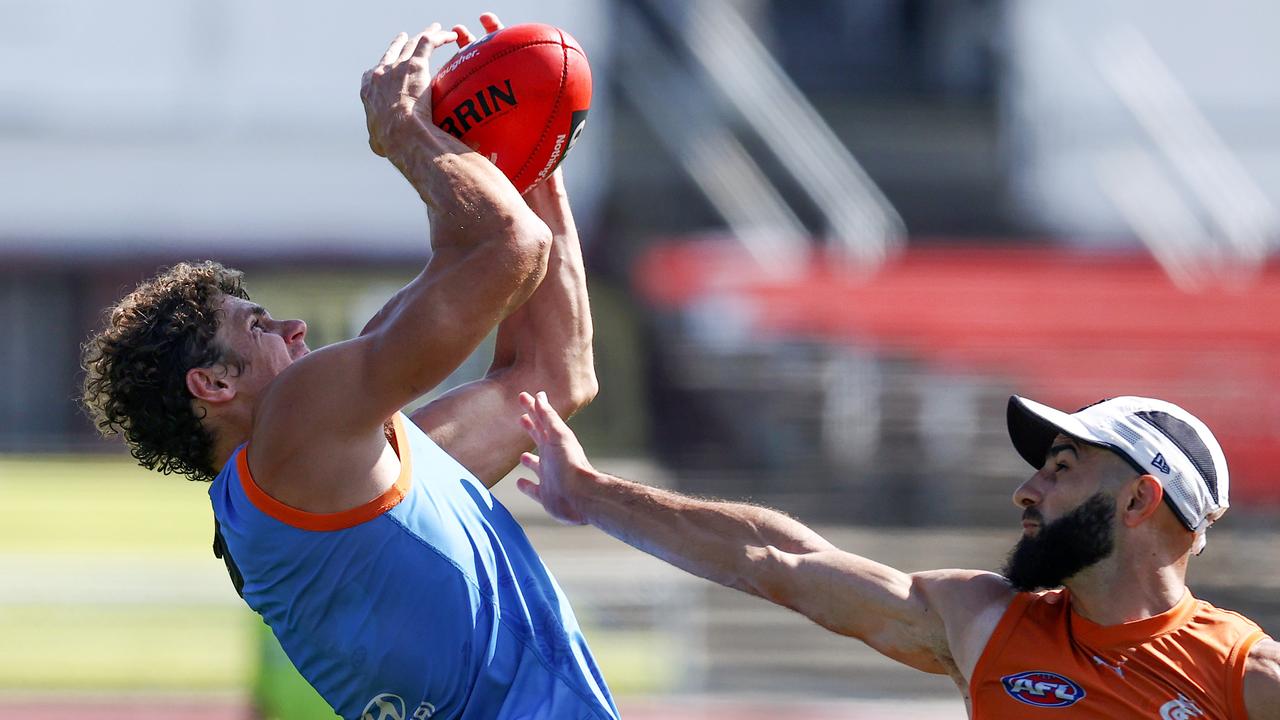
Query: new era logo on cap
1158, 438
1161, 464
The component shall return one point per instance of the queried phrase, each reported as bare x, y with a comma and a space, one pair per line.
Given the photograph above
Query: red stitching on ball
564, 79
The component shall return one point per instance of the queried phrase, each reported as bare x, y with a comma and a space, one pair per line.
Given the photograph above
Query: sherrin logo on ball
475, 110
1042, 688
518, 96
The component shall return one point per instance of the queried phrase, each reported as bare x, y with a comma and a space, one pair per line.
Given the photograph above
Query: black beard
1062, 548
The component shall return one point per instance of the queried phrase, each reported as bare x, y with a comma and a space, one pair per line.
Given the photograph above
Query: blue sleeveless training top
427, 602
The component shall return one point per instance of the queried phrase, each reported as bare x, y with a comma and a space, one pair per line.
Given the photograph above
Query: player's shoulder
312, 446
965, 598
1209, 614
964, 590
1262, 680
314, 380
970, 604
309, 405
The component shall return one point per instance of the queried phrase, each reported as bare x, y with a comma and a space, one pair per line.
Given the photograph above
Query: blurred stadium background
827, 240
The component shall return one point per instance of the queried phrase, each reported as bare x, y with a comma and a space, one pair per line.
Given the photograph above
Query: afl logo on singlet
1042, 689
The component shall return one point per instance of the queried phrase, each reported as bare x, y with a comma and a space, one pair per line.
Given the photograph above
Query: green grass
635, 662
100, 505
107, 508
118, 647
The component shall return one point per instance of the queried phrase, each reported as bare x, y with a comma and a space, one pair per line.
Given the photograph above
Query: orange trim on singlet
1134, 632
325, 522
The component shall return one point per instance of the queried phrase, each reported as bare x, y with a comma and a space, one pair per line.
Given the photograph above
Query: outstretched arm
765, 553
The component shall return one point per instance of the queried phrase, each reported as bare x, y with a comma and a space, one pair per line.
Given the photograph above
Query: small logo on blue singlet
386, 706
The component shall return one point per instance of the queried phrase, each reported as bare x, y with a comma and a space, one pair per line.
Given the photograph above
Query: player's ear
1140, 500
211, 384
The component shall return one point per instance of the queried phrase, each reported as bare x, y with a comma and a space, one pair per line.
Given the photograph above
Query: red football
519, 96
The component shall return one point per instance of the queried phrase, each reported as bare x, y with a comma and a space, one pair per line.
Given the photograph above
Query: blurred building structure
978, 122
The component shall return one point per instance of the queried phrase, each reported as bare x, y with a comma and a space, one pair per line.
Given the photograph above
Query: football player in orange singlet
1090, 617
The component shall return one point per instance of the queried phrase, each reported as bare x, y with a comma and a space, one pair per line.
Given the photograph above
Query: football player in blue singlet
366, 538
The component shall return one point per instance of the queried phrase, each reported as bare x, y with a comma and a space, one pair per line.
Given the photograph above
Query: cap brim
1033, 426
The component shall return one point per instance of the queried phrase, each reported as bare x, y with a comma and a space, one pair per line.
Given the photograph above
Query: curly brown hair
135, 383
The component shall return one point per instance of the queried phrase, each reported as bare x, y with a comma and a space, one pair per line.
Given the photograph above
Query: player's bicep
440, 318
864, 599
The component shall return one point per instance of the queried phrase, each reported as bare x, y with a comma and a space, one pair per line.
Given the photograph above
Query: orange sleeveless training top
1045, 661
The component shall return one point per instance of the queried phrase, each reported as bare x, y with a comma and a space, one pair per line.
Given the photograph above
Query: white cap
1158, 438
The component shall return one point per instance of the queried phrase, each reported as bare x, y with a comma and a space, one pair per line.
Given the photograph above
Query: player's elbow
770, 574
581, 388
534, 236
528, 244
572, 391
516, 259
570, 382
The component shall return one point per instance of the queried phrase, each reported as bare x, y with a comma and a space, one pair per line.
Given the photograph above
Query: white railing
729, 83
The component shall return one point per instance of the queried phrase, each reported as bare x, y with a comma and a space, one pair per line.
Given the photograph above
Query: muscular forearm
469, 200
548, 340
544, 344
724, 542
489, 250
